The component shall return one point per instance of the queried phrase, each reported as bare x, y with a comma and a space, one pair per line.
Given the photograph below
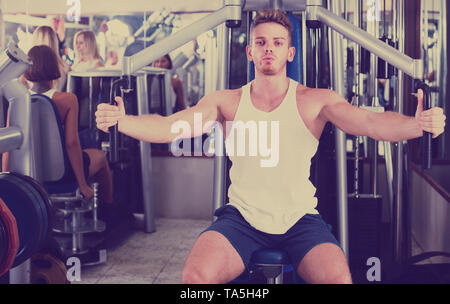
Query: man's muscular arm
158, 129
387, 126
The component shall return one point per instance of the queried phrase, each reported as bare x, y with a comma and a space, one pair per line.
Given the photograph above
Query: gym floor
147, 258
153, 258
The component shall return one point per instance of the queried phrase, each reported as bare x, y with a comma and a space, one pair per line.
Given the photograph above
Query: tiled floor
148, 258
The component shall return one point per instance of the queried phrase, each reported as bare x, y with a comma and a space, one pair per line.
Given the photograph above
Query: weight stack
364, 226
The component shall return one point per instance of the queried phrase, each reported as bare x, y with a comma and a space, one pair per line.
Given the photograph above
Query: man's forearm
391, 126
150, 128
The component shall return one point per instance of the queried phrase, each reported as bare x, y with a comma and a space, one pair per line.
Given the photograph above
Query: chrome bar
389, 172
10, 139
412, 67
337, 72
220, 159
21, 160
304, 48
66, 199
398, 203
145, 155
231, 11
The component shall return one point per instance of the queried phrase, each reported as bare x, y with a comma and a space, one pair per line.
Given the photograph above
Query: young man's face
270, 48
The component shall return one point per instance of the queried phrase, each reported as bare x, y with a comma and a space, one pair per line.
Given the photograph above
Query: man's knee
343, 277
196, 275
328, 276
325, 264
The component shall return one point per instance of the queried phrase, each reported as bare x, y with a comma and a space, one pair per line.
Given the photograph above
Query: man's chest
307, 111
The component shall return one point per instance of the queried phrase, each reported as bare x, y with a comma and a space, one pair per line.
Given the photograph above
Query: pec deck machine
133, 79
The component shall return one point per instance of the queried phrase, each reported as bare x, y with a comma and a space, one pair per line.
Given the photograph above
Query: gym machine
27, 217
230, 14
26, 231
129, 159
316, 13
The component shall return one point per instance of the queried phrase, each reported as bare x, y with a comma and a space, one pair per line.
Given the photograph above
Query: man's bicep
198, 119
348, 118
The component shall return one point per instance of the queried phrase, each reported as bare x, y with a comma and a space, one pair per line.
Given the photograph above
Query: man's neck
270, 85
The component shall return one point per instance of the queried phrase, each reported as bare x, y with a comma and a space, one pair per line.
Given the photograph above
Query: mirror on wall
120, 34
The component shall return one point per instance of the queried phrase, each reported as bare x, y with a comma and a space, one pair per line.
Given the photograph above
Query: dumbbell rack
73, 219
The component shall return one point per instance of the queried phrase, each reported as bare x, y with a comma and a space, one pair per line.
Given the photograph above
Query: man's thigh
325, 264
212, 259
223, 251
315, 252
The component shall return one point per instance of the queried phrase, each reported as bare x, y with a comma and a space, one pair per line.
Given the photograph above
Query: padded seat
269, 256
271, 263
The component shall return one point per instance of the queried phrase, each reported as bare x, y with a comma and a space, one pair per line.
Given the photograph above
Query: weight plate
45, 202
39, 206
9, 226
16, 196
46, 269
4, 240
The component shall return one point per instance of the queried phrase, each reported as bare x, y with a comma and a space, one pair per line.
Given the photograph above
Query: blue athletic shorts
307, 233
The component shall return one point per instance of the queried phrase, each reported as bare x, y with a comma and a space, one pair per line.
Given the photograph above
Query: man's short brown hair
273, 15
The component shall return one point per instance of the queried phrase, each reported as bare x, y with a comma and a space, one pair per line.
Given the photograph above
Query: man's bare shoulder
224, 95
316, 95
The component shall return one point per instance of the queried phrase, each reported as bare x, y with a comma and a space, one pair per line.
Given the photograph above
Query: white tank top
270, 183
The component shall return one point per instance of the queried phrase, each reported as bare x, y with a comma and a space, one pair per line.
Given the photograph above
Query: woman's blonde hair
45, 35
90, 41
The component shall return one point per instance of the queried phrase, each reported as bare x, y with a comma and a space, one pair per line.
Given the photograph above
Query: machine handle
426, 140
114, 130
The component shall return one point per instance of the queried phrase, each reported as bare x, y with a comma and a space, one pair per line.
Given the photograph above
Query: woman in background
165, 62
84, 163
87, 56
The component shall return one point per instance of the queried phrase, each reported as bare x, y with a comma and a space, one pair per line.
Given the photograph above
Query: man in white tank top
271, 200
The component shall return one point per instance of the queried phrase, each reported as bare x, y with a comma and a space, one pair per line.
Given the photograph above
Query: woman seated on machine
87, 56
85, 163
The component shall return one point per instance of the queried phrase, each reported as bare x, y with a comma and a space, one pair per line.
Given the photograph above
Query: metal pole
220, 160
357, 84
398, 204
145, 155
373, 28
341, 157
443, 69
276, 4
304, 47
413, 67
231, 11
91, 103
